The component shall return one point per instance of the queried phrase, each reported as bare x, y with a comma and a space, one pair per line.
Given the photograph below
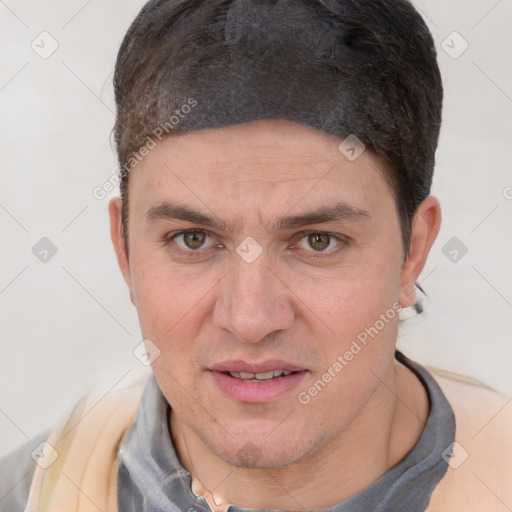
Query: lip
256, 392
238, 365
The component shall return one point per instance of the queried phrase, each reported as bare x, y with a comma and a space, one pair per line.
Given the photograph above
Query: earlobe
118, 241
425, 227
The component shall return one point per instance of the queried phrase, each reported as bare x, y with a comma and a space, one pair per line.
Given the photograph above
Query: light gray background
68, 324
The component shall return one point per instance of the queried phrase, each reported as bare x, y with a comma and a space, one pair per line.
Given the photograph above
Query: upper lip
238, 365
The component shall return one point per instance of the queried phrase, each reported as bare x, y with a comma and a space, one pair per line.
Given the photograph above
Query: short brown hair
361, 67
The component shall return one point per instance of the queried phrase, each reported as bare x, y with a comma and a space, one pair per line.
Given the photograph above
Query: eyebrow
339, 212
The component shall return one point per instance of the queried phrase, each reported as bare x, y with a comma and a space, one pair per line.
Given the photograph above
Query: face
260, 248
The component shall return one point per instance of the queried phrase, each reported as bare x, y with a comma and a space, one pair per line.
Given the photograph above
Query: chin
260, 454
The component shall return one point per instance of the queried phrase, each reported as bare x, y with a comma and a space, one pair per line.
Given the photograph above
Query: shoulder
17, 469
93, 412
479, 475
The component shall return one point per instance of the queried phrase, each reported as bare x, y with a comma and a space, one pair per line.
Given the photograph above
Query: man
276, 161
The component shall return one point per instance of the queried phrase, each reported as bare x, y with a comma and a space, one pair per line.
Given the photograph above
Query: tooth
265, 375
255, 377
279, 373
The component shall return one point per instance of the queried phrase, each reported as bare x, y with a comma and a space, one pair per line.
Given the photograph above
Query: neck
348, 464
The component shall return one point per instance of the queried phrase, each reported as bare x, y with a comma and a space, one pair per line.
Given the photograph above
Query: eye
189, 240
322, 242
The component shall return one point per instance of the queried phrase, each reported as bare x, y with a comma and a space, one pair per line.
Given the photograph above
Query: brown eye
190, 242
194, 239
319, 241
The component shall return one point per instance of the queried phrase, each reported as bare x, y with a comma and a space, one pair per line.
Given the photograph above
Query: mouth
256, 382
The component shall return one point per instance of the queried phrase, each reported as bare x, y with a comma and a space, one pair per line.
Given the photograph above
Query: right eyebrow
169, 211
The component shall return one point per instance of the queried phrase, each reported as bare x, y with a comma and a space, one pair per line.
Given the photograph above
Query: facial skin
293, 303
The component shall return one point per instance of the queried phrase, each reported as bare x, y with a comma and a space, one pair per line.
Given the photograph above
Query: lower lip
257, 392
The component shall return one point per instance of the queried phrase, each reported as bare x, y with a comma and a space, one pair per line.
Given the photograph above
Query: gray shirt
152, 479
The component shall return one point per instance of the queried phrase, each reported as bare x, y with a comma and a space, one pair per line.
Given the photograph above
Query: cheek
352, 298
361, 313
172, 305
359, 344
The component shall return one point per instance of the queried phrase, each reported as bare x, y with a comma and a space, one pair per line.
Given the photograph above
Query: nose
254, 302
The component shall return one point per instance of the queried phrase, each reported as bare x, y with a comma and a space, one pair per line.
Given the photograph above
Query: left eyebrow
339, 212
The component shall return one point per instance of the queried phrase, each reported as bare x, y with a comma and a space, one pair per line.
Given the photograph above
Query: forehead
263, 161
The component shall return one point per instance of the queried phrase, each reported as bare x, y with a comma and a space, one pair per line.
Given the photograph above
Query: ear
425, 227
117, 236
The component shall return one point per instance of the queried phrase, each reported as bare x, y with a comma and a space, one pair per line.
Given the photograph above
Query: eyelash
168, 239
